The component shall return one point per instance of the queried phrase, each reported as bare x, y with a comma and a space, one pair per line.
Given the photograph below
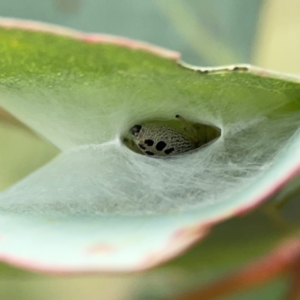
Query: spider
155, 139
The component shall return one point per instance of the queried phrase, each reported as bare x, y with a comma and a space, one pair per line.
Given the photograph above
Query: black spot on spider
149, 152
149, 142
160, 145
142, 147
169, 151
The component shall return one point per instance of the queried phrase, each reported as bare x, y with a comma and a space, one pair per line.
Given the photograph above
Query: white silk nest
110, 178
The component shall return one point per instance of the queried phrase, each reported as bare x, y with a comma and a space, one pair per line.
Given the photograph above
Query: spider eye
135, 129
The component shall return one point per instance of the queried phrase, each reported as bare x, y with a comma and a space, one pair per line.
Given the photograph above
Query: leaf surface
98, 206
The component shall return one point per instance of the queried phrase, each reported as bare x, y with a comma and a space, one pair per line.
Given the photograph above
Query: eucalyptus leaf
230, 246
100, 206
204, 32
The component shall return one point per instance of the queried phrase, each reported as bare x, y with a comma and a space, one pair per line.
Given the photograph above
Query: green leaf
98, 205
16, 164
230, 246
204, 32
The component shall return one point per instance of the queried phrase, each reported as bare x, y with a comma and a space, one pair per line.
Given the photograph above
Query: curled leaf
98, 206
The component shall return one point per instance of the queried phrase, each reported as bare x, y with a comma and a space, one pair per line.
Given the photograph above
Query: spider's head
135, 130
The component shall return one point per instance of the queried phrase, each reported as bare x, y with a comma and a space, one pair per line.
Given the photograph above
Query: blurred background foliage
208, 33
